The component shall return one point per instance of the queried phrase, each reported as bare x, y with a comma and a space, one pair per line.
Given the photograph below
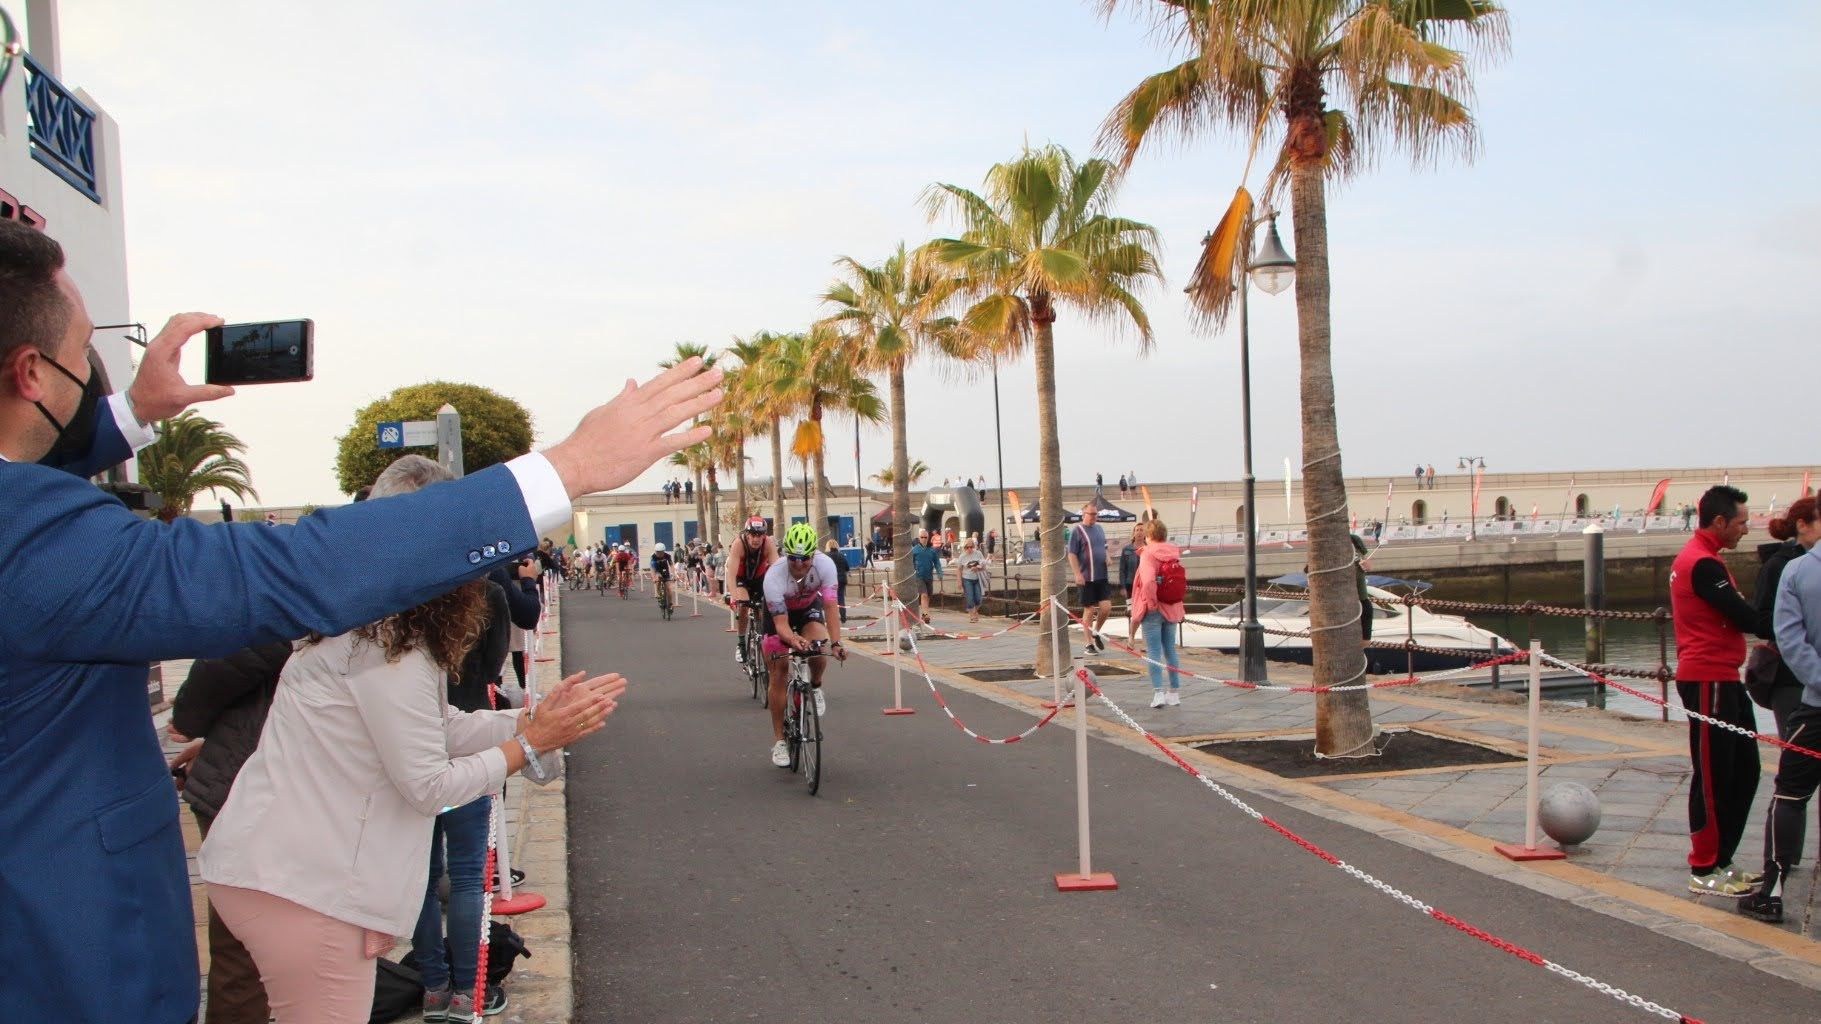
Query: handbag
1763, 667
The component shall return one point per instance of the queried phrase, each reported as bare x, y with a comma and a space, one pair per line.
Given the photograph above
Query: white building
60, 171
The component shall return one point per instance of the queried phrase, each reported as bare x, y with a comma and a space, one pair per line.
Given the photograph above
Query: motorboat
1442, 641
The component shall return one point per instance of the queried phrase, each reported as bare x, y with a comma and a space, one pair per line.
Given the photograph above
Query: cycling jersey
660, 563
622, 559
784, 594
750, 564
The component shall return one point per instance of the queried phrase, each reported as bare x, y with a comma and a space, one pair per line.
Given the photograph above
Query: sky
545, 198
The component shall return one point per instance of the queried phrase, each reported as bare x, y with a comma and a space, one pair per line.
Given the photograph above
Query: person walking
974, 571
833, 551
924, 562
1122, 487
1711, 620
1432, 476
1419, 476
1087, 550
1157, 607
1796, 532
1099, 482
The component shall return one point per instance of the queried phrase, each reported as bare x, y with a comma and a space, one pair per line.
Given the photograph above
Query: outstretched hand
158, 391
616, 442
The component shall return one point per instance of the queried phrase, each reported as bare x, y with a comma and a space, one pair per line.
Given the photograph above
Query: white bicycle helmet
659, 546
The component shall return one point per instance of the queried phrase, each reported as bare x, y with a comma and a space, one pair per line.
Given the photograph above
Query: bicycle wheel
793, 724
809, 727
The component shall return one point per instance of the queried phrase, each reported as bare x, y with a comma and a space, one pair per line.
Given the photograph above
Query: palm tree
727, 447
193, 454
890, 309
813, 373
888, 476
1261, 70
697, 461
1040, 238
764, 413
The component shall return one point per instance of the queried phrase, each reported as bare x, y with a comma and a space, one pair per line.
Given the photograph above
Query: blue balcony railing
62, 130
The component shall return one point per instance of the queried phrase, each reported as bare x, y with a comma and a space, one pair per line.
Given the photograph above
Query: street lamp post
1468, 462
1272, 269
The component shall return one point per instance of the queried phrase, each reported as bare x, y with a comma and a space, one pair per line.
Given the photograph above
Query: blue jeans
465, 829
973, 592
1160, 644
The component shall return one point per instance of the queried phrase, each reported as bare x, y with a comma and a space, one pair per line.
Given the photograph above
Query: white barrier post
1530, 850
897, 707
1084, 878
695, 602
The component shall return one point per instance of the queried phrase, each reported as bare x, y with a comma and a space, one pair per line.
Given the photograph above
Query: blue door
629, 534
613, 536
663, 534
843, 530
689, 529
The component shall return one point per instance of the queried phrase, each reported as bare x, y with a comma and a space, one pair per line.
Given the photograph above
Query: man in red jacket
1712, 618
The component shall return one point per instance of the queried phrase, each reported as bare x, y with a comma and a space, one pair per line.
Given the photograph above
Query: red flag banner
1479, 474
1805, 490
1150, 511
1656, 498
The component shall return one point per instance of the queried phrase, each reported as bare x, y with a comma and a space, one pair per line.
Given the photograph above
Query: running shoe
436, 1005
1159, 699
1173, 699
1751, 878
739, 651
1760, 907
495, 1002
780, 754
821, 704
1717, 883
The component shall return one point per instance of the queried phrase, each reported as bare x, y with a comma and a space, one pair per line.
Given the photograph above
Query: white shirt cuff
136, 436
546, 499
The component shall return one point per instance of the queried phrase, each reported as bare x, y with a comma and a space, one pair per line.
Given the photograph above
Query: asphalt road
707, 885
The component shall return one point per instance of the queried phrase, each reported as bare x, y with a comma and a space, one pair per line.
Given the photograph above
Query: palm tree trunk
821, 471
701, 505
901, 520
1052, 577
714, 506
739, 485
1343, 721
777, 477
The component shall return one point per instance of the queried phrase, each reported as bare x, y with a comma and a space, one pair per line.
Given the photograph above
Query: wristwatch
533, 767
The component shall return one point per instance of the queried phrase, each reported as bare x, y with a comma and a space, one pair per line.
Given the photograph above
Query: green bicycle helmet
800, 541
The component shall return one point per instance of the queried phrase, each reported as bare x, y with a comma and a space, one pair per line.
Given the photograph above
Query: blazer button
489, 551
505, 548
474, 558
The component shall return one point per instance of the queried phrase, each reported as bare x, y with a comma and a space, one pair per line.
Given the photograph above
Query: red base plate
900, 711
520, 903
1099, 881
1051, 705
1517, 851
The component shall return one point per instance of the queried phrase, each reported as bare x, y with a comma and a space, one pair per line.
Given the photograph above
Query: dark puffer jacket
1775, 557
224, 701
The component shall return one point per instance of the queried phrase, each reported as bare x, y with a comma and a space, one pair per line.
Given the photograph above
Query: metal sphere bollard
1569, 813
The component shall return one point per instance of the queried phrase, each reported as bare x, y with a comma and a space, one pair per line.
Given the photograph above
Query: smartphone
273, 352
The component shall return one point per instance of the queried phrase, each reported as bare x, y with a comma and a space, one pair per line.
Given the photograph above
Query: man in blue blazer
95, 920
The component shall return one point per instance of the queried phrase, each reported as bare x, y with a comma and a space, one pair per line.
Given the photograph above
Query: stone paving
1638, 768
539, 990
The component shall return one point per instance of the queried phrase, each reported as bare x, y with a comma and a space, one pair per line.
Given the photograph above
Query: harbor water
1629, 643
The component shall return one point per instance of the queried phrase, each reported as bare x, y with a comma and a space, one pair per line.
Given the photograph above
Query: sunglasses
799, 558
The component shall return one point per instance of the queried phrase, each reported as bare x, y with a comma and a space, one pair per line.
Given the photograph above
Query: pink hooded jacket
1144, 587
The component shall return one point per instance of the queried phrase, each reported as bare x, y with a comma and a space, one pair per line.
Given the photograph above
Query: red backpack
1172, 581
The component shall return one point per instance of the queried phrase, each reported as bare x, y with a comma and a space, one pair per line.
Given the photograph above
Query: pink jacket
1144, 588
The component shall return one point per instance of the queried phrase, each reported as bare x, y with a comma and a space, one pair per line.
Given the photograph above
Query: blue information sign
392, 434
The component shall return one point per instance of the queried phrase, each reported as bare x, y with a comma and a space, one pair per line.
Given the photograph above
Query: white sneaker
1174, 699
780, 754
1158, 699
821, 704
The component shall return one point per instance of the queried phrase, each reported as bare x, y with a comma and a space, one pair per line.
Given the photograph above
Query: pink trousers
316, 970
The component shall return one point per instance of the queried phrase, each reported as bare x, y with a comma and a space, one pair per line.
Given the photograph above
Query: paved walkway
1638, 768
918, 886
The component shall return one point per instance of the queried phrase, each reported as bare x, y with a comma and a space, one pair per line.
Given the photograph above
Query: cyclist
660, 571
692, 564
801, 605
752, 554
622, 564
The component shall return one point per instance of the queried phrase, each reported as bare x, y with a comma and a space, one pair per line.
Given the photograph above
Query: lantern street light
1273, 270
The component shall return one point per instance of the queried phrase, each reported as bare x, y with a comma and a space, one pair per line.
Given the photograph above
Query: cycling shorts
799, 618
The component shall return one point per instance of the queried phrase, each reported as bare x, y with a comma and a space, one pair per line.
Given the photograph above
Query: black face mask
76, 436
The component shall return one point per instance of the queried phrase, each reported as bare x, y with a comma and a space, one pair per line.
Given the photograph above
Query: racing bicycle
666, 603
753, 643
802, 726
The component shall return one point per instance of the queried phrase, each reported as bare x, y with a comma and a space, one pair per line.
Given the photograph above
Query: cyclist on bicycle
752, 554
622, 564
801, 606
660, 570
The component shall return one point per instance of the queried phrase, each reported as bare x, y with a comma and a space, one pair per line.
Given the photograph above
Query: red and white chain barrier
1761, 737
1087, 683
958, 723
1382, 684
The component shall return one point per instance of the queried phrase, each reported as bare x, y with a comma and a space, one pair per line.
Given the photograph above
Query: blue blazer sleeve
109, 447
87, 581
